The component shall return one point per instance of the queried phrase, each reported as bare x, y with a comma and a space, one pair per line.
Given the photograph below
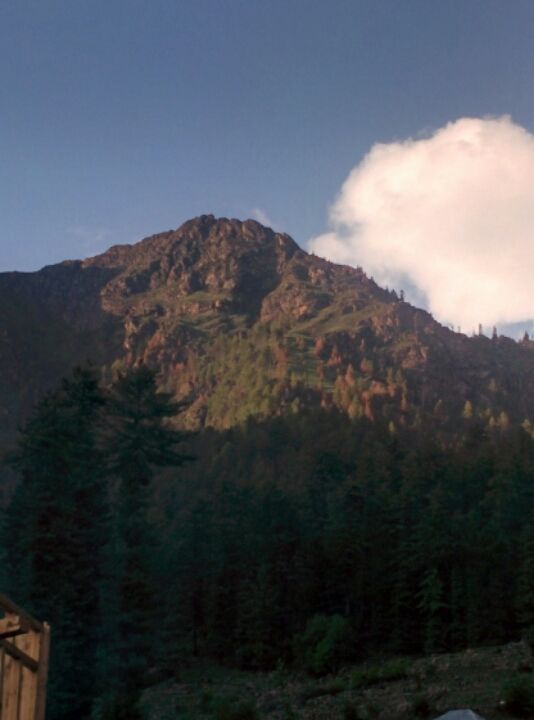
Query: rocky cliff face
239, 320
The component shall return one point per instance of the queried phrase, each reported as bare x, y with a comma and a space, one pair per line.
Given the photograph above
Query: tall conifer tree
57, 530
137, 441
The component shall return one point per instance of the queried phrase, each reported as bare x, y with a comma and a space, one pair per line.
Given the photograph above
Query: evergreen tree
431, 605
137, 440
57, 532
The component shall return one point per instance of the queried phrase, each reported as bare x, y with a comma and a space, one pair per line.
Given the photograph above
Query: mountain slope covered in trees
238, 321
306, 542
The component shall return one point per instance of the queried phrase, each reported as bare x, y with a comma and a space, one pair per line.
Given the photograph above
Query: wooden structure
24, 647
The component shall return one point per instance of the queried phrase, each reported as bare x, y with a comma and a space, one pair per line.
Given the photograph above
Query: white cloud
452, 214
262, 217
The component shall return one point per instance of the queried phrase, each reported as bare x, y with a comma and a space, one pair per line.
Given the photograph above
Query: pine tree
467, 412
431, 605
57, 533
137, 440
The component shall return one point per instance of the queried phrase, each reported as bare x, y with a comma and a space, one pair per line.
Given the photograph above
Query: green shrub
324, 645
518, 695
386, 672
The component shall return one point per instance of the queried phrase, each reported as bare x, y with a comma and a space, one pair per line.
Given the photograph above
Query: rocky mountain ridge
239, 321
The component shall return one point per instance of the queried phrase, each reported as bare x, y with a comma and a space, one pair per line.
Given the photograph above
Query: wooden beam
11, 689
40, 706
29, 643
13, 625
19, 655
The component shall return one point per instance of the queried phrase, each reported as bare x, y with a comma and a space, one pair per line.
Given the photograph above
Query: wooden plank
42, 676
26, 644
12, 625
30, 644
10, 688
19, 691
14, 652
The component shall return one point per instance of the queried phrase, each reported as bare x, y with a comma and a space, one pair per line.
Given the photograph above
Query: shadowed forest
307, 541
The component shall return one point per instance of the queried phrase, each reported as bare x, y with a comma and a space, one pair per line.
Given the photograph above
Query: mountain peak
240, 320
203, 233
236, 263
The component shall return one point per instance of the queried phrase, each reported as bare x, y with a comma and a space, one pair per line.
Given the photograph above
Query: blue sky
123, 118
